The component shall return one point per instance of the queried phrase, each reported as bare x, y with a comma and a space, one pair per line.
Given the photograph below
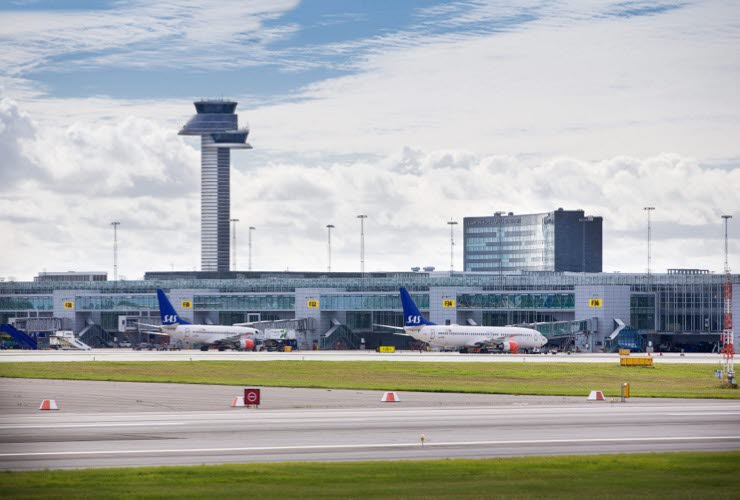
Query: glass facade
244, 302
509, 242
504, 318
516, 301
664, 303
358, 320
390, 318
231, 317
369, 302
690, 309
642, 312
116, 303
25, 302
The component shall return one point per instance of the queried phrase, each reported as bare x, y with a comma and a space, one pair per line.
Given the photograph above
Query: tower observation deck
218, 128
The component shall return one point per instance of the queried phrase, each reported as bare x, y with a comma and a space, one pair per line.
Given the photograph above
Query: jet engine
509, 346
245, 344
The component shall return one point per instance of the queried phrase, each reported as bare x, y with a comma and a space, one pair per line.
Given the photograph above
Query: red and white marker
238, 402
596, 396
48, 404
390, 397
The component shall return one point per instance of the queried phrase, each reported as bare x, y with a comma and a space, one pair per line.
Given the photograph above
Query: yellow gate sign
594, 302
448, 303
313, 304
386, 348
187, 304
69, 305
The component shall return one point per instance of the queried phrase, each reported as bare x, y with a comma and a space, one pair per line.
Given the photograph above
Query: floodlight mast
233, 243
452, 224
329, 227
115, 225
251, 228
362, 244
649, 235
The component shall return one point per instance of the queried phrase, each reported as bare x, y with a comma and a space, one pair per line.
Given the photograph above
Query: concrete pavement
101, 424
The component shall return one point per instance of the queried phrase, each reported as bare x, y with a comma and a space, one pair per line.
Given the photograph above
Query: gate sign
187, 304
313, 304
594, 302
252, 396
69, 305
448, 303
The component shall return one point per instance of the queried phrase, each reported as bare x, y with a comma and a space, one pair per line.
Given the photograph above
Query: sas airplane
240, 337
485, 338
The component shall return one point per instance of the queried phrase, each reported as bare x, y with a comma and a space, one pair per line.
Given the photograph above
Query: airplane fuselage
476, 336
207, 334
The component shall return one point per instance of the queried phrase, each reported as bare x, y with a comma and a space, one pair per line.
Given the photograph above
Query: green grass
660, 475
568, 379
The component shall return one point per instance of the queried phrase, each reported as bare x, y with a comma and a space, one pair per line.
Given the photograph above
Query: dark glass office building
563, 240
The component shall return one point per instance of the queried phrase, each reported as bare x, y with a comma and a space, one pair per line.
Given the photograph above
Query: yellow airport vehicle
636, 361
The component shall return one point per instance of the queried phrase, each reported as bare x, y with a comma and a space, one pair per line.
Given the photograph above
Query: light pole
115, 225
329, 227
649, 234
233, 242
362, 244
452, 225
251, 228
726, 219
583, 250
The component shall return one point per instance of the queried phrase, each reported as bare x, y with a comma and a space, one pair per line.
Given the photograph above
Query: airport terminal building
590, 311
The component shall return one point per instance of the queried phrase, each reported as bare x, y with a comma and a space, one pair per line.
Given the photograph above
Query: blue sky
414, 112
309, 26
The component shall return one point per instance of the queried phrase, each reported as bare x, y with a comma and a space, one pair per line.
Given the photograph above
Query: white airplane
485, 338
240, 336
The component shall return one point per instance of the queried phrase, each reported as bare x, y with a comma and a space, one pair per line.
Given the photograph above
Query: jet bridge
567, 334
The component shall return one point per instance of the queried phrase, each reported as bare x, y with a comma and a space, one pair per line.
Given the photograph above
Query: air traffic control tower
217, 125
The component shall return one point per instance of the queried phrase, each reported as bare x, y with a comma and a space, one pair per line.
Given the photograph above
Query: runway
197, 355
101, 425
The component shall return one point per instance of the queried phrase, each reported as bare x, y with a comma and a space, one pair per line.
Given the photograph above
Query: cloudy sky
412, 112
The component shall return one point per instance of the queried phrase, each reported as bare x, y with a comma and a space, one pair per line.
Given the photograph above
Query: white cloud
408, 209
590, 86
124, 171
574, 109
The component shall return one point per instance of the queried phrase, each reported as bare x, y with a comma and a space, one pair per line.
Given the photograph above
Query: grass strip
659, 475
564, 379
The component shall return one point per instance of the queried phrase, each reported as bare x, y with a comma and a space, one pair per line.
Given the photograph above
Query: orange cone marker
48, 404
390, 397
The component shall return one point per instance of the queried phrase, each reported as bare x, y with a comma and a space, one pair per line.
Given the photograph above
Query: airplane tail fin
411, 314
167, 312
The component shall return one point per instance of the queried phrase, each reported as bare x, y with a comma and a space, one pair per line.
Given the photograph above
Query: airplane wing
158, 327
399, 330
391, 327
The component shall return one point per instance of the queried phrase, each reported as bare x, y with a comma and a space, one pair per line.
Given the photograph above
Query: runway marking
328, 415
383, 445
53, 425
703, 413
